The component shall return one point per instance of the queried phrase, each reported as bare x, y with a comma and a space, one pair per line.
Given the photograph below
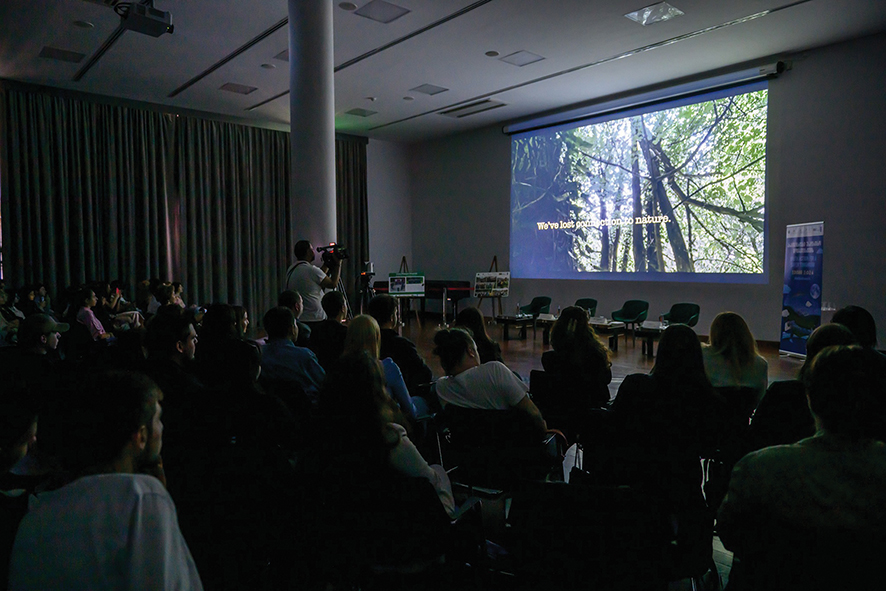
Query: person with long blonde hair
364, 334
732, 359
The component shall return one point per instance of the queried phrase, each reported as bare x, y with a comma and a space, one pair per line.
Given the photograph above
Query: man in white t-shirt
112, 527
310, 281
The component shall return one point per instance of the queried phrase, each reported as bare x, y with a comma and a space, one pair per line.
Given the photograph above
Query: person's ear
140, 438
44, 339
179, 346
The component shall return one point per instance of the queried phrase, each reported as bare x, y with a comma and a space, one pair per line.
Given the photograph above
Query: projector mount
142, 17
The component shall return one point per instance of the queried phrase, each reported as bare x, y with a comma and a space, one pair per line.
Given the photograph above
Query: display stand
404, 268
492, 268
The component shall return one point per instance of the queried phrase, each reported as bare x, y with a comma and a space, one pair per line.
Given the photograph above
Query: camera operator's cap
34, 326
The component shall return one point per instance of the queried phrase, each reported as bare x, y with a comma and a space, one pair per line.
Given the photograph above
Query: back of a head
168, 327
571, 329
679, 355
332, 303
288, 299
382, 307
860, 322
18, 414
278, 322
731, 338
363, 335
219, 323
846, 386
472, 319
100, 419
302, 249
451, 345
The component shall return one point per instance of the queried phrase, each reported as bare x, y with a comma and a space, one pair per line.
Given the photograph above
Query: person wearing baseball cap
39, 334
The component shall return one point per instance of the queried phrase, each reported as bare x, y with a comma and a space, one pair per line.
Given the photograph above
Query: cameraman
310, 281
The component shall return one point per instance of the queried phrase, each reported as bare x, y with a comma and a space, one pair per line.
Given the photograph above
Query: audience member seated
82, 308
27, 301
9, 321
472, 319
364, 336
293, 300
42, 300
178, 293
110, 310
669, 418
328, 337
416, 372
812, 515
580, 358
242, 317
18, 432
110, 527
470, 384
366, 422
783, 415
218, 332
860, 322
285, 362
732, 359
37, 365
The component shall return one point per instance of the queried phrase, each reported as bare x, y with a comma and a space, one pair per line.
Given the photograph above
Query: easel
404, 268
501, 312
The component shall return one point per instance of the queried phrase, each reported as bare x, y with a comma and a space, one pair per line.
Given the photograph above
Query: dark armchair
589, 304
632, 313
538, 305
683, 313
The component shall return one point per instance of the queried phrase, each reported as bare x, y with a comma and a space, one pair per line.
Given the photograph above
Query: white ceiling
568, 33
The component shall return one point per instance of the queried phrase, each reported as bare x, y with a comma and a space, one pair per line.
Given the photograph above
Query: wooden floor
524, 355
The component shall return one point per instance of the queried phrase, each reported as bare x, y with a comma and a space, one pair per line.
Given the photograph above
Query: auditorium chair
683, 313
538, 305
632, 313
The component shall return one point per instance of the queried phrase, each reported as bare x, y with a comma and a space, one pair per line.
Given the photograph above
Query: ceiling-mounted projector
144, 18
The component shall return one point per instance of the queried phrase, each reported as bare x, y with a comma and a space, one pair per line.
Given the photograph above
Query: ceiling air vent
429, 89
238, 88
381, 11
360, 112
472, 109
283, 56
61, 55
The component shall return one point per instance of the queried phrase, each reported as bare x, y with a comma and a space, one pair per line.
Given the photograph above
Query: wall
390, 207
826, 158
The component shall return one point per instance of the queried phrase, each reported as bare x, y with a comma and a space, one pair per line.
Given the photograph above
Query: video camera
333, 253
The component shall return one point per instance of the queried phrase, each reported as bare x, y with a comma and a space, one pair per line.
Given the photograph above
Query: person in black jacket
416, 372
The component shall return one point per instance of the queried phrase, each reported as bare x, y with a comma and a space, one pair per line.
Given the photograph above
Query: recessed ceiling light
269, 66
408, 98
84, 24
238, 88
429, 89
522, 58
492, 54
654, 13
371, 99
381, 11
347, 6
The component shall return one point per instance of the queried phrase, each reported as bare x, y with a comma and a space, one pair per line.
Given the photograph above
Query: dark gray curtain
233, 199
84, 191
352, 211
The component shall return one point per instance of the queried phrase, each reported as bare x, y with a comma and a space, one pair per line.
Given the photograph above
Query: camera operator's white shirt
305, 278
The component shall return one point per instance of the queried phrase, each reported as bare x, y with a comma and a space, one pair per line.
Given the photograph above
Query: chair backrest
538, 305
587, 537
683, 313
589, 304
635, 308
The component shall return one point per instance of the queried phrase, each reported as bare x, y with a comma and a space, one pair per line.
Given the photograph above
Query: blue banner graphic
801, 302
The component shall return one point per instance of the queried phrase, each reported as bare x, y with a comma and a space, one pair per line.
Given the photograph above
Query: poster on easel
406, 285
801, 299
492, 285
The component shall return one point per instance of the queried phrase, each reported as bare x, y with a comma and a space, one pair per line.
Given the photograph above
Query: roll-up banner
801, 302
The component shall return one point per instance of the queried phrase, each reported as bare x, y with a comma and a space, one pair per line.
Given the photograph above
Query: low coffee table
603, 325
649, 332
521, 322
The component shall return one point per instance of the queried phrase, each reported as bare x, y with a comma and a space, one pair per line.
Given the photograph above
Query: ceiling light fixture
654, 13
408, 98
381, 11
84, 24
269, 66
360, 112
492, 54
349, 6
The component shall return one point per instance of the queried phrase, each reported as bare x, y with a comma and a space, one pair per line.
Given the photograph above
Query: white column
312, 113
